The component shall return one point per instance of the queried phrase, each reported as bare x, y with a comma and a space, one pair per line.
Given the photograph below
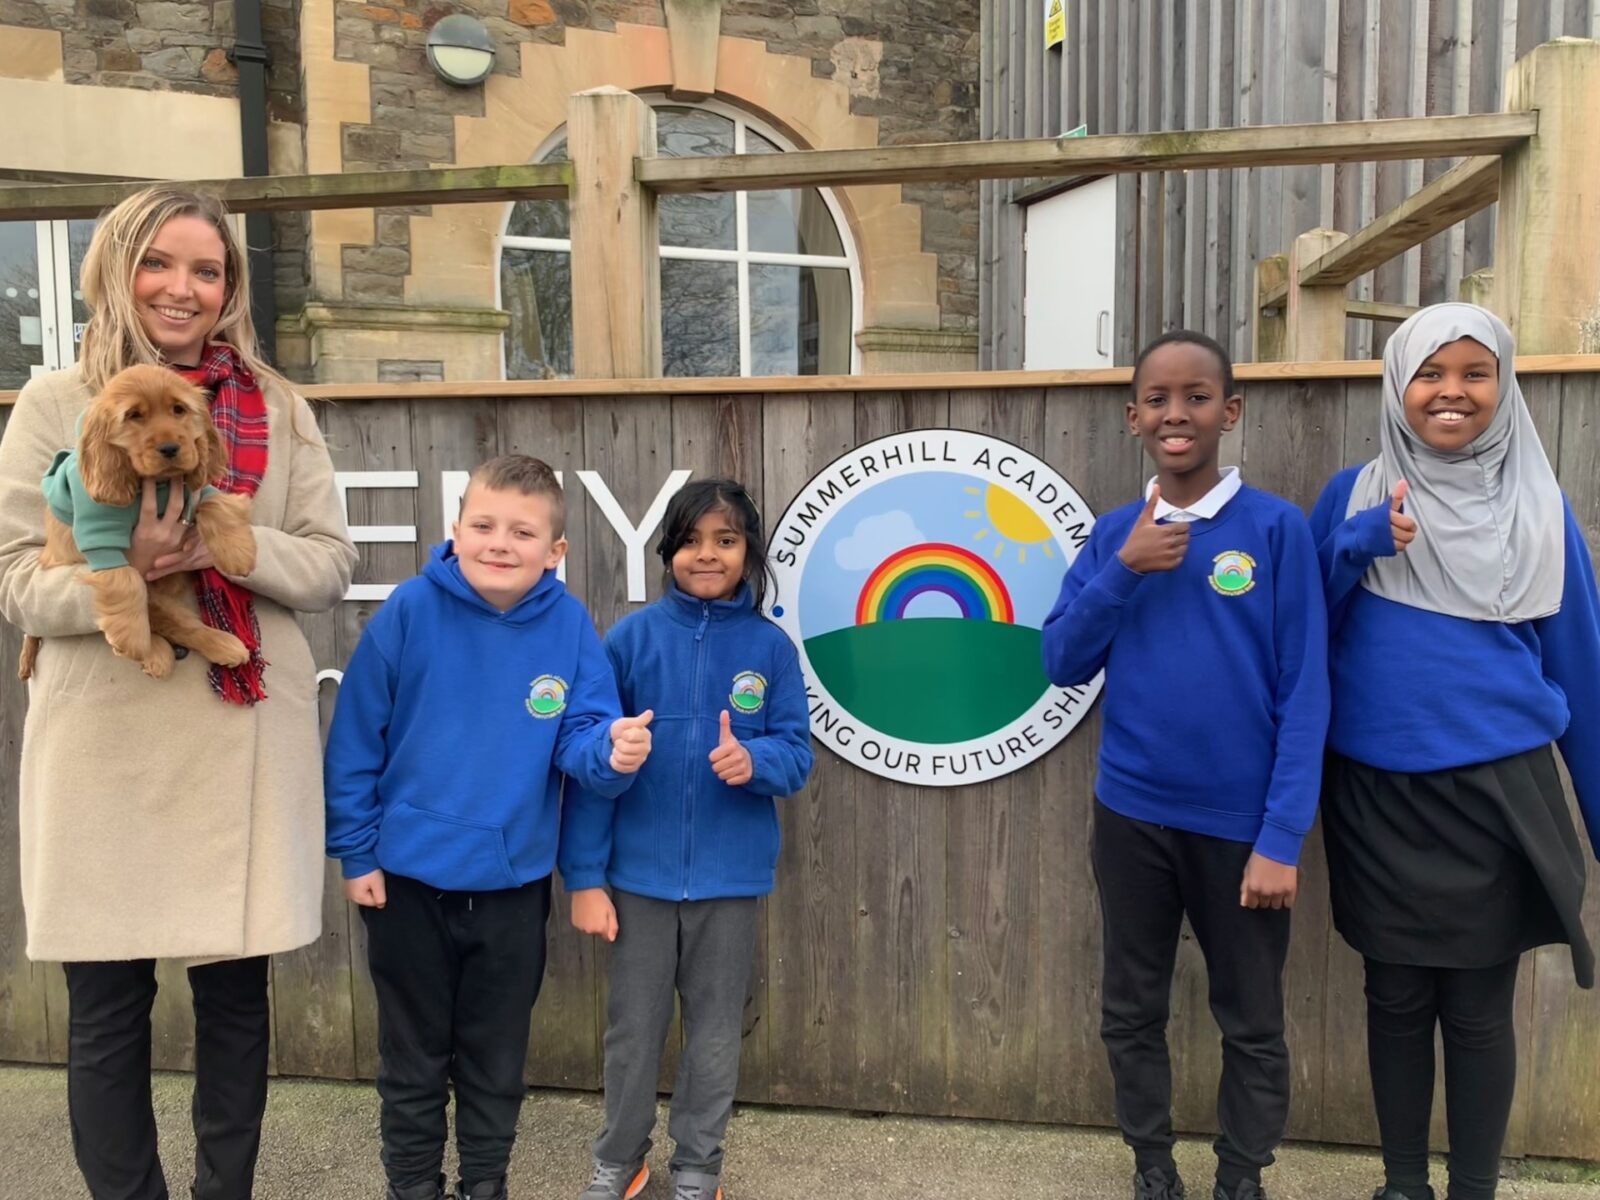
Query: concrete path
321, 1143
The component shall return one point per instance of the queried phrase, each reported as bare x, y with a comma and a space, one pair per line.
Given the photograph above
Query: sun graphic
1011, 521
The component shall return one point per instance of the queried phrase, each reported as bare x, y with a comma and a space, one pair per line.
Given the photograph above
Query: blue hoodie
1216, 692
453, 726
679, 832
1416, 691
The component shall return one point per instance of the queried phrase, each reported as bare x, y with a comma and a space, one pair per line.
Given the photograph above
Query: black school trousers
1150, 877
108, 1076
456, 975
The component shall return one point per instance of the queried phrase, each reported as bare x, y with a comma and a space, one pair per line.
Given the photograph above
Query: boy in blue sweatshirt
473, 689
1203, 605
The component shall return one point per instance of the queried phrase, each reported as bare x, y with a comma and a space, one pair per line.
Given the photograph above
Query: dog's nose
168, 449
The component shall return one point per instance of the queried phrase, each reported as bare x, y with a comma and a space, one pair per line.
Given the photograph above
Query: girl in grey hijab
1464, 640
1488, 512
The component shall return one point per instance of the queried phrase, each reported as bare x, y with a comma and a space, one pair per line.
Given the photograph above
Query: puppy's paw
227, 651
158, 663
224, 523
130, 640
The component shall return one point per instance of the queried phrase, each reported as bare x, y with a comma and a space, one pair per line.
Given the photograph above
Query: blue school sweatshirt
453, 726
678, 832
1216, 687
1417, 691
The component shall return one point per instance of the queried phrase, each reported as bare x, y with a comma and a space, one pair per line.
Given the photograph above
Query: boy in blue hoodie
1203, 605
473, 689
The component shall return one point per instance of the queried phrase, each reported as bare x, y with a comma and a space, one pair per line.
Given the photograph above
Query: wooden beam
1199, 149
306, 193
1269, 329
1377, 310
1464, 189
1313, 316
616, 264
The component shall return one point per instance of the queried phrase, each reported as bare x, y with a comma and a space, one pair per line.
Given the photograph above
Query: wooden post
1547, 238
1271, 272
693, 27
1478, 288
616, 267
1314, 315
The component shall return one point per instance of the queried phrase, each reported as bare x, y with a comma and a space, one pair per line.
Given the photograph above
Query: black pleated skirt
1461, 868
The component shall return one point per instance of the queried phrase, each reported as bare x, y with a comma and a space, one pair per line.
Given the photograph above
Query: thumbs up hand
630, 742
1152, 547
1402, 526
730, 760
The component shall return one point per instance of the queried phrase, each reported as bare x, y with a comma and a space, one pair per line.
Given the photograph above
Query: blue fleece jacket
679, 832
1417, 691
1216, 689
453, 726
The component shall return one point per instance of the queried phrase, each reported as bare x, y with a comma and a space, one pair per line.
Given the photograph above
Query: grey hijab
1490, 542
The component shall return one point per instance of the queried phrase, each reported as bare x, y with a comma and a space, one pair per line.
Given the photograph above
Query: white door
41, 311
1070, 246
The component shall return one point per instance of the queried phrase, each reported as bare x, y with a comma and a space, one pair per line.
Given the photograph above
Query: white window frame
742, 255
58, 345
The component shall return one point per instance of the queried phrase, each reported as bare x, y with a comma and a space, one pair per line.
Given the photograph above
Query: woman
176, 818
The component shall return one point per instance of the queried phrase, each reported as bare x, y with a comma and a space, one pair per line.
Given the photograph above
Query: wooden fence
927, 950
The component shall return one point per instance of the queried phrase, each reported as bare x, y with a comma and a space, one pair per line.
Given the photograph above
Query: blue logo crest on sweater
749, 692
1233, 573
547, 696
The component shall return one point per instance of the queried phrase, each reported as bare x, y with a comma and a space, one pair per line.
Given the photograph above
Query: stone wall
911, 64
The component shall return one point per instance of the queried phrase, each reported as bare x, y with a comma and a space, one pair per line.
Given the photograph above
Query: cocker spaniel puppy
147, 423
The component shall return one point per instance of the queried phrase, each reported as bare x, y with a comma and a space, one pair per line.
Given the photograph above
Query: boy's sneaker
1420, 1192
616, 1181
488, 1189
1248, 1189
695, 1185
424, 1191
1156, 1184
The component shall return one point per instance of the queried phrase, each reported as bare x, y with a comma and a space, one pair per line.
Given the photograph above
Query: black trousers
108, 1077
1150, 876
1473, 1010
456, 975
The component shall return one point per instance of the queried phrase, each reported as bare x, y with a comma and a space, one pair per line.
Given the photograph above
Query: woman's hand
192, 555
157, 536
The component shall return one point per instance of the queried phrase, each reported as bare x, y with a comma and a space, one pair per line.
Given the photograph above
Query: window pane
703, 219
536, 289
789, 222
699, 318
21, 331
79, 234
542, 218
799, 320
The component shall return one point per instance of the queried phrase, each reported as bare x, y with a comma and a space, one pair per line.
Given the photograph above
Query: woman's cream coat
158, 821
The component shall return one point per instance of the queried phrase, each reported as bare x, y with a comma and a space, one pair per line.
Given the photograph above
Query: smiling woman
180, 287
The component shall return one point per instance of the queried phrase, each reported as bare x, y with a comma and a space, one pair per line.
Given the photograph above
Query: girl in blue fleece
693, 842
1465, 640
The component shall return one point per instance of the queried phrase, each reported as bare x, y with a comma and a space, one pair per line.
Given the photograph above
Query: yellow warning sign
1055, 22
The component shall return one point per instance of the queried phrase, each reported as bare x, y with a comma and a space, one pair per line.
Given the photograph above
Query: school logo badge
1233, 572
749, 692
914, 574
547, 696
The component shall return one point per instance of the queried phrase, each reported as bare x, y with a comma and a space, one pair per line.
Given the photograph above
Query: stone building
865, 279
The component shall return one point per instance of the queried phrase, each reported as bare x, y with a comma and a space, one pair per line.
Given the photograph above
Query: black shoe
424, 1191
1419, 1192
1156, 1184
488, 1189
1248, 1189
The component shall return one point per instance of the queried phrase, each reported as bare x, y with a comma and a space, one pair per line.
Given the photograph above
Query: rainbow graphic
934, 567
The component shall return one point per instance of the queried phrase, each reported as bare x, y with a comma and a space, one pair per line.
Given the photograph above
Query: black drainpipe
249, 55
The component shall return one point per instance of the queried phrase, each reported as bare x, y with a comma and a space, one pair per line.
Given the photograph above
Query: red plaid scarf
239, 411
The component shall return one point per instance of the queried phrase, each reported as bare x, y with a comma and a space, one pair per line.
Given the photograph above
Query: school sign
914, 574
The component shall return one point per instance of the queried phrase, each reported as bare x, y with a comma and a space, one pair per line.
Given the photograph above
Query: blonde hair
115, 338
526, 475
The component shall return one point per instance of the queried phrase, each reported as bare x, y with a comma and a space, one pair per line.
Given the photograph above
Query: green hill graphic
931, 679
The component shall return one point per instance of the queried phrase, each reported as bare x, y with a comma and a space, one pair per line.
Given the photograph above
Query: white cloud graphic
875, 539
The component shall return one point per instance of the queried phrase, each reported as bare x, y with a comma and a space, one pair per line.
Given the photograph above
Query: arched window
752, 283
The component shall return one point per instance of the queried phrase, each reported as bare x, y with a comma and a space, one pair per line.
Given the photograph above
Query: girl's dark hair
1191, 337
701, 496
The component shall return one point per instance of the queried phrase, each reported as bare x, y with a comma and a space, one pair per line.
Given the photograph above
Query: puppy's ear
213, 464
107, 474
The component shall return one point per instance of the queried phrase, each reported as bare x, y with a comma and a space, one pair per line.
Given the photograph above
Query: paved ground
320, 1143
